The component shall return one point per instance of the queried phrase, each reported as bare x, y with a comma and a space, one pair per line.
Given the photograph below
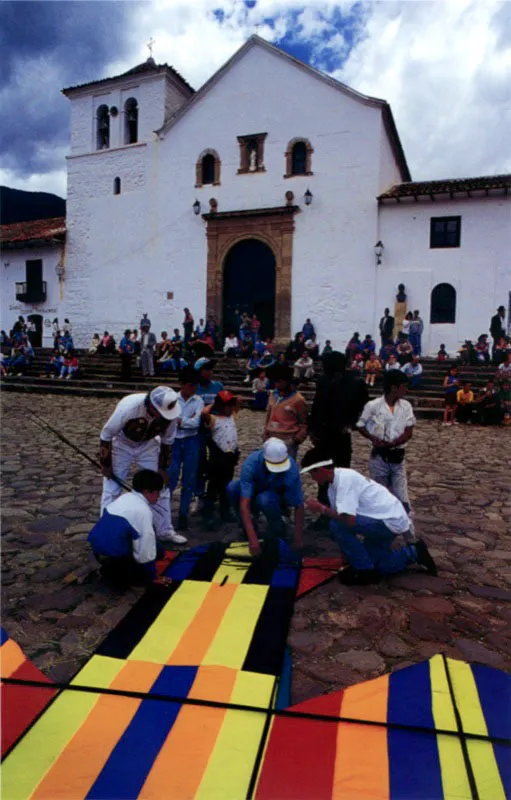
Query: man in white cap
269, 482
365, 519
139, 433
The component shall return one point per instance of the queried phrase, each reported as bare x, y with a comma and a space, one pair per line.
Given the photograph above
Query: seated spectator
505, 401
312, 348
19, 362
368, 346
442, 355
413, 370
70, 366
251, 365
386, 352
404, 350
372, 369
4, 339
354, 346
296, 348
465, 403
3, 369
488, 407
303, 369
136, 341
266, 361
357, 363
502, 348
54, 364
66, 342
466, 353
163, 346
107, 344
231, 345
94, 344
172, 359
269, 344
200, 328
176, 339
308, 330
327, 348
504, 368
247, 347
260, 390
482, 350
245, 328
392, 363
126, 352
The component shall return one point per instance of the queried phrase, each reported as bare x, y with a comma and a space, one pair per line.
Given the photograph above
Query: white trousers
144, 455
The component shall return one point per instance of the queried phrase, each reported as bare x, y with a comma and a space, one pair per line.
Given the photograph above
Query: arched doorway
249, 285
35, 329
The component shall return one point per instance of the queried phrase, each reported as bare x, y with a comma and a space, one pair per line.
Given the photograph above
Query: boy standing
186, 445
287, 413
124, 540
388, 423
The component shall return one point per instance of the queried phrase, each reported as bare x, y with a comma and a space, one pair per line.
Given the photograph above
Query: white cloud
53, 182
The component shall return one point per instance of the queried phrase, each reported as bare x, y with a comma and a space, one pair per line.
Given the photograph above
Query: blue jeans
269, 503
185, 455
374, 552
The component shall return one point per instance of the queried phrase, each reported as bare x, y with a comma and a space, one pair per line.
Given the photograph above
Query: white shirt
132, 407
137, 511
390, 367
351, 493
380, 421
230, 342
224, 433
412, 369
405, 326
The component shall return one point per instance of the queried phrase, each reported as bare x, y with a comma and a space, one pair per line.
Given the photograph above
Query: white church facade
267, 190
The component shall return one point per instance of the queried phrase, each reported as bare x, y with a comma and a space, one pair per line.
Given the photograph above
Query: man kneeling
124, 540
360, 507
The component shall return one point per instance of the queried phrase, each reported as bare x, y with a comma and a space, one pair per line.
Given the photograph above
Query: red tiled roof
448, 186
146, 67
35, 230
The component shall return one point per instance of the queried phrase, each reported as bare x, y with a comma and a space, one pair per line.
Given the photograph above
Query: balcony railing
31, 292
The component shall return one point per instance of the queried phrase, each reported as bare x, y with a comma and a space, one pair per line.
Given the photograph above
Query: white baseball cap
275, 455
165, 402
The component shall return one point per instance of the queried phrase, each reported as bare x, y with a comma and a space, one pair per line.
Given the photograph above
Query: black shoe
358, 577
424, 557
182, 523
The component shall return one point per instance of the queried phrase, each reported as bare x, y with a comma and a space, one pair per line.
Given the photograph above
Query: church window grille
207, 169
102, 128
298, 158
445, 232
443, 304
130, 121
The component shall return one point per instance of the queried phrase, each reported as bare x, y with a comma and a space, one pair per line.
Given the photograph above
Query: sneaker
196, 505
446, 424
173, 537
68, 377
182, 522
350, 576
424, 557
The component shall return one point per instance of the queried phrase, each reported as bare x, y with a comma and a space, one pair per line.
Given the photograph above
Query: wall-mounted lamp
308, 197
378, 251
60, 271
196, 208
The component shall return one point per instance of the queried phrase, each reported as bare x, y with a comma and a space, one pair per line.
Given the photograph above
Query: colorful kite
184, 699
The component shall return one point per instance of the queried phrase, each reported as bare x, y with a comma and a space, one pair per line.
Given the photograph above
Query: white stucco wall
13, 270
479, 270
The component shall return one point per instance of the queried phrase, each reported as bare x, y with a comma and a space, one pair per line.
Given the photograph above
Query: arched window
298, 158
102, 128
117, 185
443, 304
130, 121
207, 169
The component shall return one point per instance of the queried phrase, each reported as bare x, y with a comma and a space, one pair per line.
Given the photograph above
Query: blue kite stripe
285, 576
410, 702
283, 699
3, 636
494, 689
130, 762
183, 565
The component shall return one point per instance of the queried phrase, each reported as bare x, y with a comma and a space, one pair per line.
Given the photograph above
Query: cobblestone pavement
55, 606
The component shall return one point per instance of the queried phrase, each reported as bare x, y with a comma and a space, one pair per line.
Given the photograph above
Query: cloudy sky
443, 65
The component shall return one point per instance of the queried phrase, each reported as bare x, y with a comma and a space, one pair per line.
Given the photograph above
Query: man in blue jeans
269, 482
186, 446
365, 519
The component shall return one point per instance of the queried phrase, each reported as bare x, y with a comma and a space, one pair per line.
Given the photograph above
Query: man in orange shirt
287, 413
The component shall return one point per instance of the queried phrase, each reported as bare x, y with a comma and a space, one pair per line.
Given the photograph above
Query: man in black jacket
386, 327
338, 402
497, 328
